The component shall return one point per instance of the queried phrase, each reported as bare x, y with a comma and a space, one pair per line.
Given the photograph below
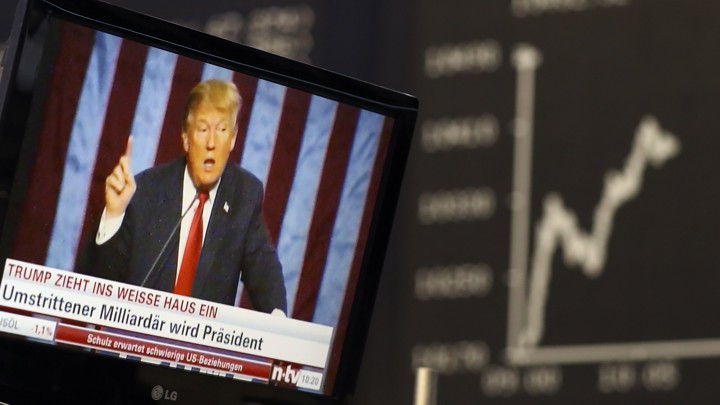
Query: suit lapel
169, 207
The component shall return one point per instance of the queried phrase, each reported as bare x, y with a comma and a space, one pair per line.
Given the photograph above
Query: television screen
188, 219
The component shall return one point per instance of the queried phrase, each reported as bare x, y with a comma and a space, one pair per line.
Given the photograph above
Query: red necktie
192, 250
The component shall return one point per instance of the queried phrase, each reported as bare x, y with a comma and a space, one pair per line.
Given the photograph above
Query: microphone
167, 242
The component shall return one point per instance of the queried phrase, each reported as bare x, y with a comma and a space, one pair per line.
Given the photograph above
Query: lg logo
159, 393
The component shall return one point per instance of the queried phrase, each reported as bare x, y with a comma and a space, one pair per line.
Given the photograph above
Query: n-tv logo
285, 374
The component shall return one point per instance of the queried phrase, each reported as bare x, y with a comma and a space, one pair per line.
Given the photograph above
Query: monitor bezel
110, 376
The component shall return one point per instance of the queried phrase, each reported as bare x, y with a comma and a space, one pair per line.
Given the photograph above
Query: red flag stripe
325, 212
284, 160
188, 73
31, 243
282, 166
246, 87
116, 128
349, 296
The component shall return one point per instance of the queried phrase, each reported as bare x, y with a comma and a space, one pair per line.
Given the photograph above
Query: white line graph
526, 60
558, 230
558, 227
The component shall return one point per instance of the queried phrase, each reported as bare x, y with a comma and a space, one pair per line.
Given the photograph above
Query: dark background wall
556, 231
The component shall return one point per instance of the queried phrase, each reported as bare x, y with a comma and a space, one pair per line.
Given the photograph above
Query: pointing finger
128, 147
125, 161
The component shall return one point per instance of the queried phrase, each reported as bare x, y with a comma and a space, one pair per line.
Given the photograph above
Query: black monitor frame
35, 373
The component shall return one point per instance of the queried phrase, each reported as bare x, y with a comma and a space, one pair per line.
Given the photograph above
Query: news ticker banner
53, 331
65, 295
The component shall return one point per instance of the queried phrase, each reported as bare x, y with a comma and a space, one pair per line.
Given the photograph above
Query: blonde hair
222, 95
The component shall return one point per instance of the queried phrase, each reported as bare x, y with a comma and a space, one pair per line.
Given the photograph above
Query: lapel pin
226, 207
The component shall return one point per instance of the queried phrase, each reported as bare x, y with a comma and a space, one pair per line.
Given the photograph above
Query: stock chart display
561, 222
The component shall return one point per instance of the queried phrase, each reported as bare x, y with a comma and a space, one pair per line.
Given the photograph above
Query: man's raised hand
120, 185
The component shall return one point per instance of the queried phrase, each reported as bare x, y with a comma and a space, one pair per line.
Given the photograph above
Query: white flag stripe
295, 228
151, 107
261, 134
349, 218
262, 129
211, 71
82, 151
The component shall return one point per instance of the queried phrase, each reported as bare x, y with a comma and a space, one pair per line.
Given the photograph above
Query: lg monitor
185, 219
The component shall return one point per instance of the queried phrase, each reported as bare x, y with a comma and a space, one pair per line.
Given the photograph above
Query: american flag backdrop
320, 161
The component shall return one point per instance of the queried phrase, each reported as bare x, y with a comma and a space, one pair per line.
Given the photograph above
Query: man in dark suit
221, 238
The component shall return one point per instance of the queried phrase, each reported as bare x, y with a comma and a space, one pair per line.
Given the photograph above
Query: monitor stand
426, 382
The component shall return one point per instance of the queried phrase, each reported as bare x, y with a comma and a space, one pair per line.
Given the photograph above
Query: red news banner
66, 295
